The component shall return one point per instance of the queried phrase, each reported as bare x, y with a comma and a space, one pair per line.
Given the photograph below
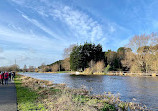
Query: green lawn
27, 99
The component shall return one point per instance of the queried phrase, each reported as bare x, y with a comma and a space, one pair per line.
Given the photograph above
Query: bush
107, 69
108, 107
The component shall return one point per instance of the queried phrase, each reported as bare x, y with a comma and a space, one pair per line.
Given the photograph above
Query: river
143, 90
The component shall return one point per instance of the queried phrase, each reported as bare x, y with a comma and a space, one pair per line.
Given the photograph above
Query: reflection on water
137, 89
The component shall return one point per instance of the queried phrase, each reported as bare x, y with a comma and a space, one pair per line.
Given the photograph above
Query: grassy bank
43, 95
27, 98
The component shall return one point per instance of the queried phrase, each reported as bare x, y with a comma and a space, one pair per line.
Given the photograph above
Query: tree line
13, 67
140, 54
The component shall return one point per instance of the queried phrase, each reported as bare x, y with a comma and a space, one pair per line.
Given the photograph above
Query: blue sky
37, 31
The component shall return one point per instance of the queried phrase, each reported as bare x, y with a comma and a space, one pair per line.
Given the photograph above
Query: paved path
8, 97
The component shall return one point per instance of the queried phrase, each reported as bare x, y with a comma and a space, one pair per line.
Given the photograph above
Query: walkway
8, 97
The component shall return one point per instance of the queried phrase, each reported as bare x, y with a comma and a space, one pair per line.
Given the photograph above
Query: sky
33, 32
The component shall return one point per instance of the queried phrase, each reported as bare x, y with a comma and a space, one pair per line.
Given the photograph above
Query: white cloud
112, 29
80, 22
20, 2
28, 40
39, 25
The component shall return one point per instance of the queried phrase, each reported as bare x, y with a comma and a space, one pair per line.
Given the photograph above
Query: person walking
10, 76
1, 78
6, 77
13, 75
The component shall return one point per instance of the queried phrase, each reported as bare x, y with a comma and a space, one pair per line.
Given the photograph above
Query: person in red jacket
1, 78
6, 77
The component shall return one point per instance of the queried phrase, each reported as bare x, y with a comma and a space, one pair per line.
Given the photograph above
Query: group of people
5, 76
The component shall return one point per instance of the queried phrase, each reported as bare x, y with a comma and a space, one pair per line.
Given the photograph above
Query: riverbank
112, 73
59, 97
117, 73
27, 98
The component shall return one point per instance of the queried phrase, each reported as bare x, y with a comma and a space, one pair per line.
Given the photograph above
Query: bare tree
66, 64
31, 69
13, 67
67, 51
25, 68
91, 64
143, 53
43, 67
99, 66
55, 67
36, 69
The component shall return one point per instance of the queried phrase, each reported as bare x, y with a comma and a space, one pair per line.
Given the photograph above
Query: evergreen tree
83, 54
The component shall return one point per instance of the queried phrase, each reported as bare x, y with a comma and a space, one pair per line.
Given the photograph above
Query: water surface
137, 89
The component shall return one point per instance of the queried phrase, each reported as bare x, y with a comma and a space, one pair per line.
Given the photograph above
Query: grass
27, 99
92, 101
63, 71
34, 94
108, 107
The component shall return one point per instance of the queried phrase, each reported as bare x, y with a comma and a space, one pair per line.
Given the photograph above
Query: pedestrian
6, 75
1, 78
13, 75
10, 76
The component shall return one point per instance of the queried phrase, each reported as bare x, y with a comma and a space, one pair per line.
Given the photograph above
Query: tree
81, 55
143, 53
99, 66
154, 57
55, 68
121, 53
111, 59
91, 64
75, 58
31, 69
13, 67
25, 68
36, 69
67, 51
42, 67
66, 64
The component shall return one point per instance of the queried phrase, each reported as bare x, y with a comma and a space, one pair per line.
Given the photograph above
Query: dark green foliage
120, 56
111, 59
108, 107
57, 62
55, 90
81, 55
114, 59
121, 52
75, 58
